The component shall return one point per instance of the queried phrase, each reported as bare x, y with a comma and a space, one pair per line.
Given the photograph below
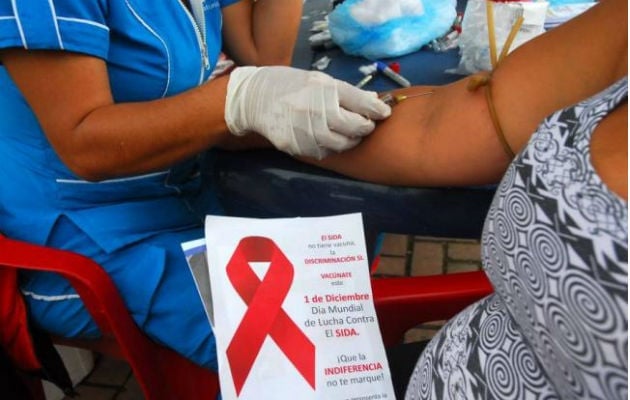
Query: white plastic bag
474, 43
561, 11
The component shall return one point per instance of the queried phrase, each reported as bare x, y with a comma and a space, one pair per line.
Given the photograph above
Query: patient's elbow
87, 172
89, 167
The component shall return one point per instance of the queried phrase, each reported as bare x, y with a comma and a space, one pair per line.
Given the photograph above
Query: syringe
393, 99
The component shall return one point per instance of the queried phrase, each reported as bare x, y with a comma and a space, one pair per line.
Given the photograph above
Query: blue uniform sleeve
71, 25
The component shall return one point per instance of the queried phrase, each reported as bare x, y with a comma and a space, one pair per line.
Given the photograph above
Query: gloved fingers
349, 123
336, 141
362, 102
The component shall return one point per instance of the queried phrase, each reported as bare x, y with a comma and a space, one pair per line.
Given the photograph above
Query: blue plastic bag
389, 28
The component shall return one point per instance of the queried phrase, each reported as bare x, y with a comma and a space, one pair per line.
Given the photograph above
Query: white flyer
293, 313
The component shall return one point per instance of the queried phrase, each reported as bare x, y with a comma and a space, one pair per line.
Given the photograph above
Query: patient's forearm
445, 138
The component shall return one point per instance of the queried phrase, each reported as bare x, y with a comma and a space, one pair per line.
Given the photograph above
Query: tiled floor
401, 256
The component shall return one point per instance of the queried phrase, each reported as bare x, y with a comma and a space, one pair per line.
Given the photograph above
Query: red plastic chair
161, 373
403, 303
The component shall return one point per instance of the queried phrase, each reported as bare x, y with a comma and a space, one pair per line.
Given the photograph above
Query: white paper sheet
293, 309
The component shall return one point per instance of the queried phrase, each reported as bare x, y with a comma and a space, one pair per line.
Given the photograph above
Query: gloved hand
305, 113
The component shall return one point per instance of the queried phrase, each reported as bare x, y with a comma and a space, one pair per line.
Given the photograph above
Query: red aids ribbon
265, 316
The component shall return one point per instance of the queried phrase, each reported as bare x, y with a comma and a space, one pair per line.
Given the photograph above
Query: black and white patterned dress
555, 246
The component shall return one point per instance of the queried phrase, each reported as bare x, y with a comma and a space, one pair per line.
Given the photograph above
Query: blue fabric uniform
133, 226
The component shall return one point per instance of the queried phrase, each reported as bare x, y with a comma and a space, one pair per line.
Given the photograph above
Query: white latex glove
305, 113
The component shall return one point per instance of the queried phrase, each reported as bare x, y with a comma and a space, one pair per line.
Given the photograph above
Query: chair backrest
404, 302
160, 372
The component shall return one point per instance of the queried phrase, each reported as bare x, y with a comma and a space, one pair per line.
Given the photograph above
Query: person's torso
555, 249
152, 50
554, 246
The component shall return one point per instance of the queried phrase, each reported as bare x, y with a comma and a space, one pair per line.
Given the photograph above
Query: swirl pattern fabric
555, 247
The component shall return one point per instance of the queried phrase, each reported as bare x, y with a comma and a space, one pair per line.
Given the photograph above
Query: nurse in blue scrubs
106, 108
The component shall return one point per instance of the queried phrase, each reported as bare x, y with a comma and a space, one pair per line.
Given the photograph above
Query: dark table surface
267, 183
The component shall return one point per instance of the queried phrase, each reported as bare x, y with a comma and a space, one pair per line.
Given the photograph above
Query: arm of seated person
261, 32
98, 138
445, 138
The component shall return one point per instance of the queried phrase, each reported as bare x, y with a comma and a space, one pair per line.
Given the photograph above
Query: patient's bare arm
445, 138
